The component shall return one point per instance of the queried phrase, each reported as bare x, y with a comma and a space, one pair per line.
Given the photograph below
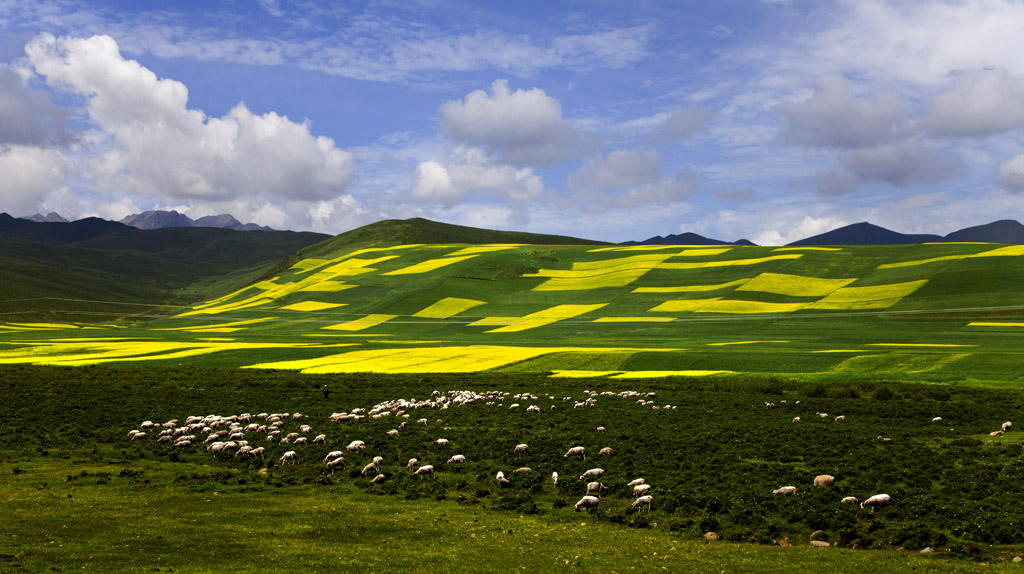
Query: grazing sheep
576, 451
587, 502
596, 487
457, 459
1006, 426
605, 451
441, 442
521, 449
356, 445
826, 480
640, 489
785, 490
424, 470
645, 499
849, 500
412, 462
877, 500
636, 482
290, 455
320, 438
554, 479
522, 470
378, 479
595, 472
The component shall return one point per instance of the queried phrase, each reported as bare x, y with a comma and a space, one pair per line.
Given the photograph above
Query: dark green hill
419, 230
95, 266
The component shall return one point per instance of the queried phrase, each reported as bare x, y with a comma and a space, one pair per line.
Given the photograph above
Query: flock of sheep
231, 434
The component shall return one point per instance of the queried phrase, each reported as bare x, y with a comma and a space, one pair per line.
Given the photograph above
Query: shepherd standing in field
325, 391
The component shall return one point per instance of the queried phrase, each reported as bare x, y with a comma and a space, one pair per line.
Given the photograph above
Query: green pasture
946, 312
78, 494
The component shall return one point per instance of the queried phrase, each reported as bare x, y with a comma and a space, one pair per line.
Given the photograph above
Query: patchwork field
941, 312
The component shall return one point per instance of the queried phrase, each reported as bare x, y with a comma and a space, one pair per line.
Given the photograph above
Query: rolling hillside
927, 312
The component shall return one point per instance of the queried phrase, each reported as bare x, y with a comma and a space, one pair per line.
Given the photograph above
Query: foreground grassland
948, 312
78, 494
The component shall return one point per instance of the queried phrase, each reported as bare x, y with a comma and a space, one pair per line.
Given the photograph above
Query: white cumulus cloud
523, 127
159, 147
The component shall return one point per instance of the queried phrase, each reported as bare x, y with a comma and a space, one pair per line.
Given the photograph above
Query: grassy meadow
676, 351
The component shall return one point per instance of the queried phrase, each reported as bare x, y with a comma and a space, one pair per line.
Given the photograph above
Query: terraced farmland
913, 312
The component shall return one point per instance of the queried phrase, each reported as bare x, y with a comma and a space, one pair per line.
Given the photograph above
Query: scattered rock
711, 535
927, 550
820, 543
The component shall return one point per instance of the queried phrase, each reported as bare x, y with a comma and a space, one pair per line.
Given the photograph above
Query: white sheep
290, 455
587, 502
521, 449
595, 472
785, 490
645, 499
596, 487
641, 489
826, 480
876, 501
424, 470
457, 459
576, 451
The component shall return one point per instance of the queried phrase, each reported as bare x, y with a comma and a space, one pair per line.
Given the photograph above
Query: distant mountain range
159, 219
1006, 231
685, 239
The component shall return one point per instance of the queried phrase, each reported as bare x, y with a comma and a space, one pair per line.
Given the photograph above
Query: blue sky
769, 120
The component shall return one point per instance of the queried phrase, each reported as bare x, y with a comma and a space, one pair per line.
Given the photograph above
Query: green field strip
690, 288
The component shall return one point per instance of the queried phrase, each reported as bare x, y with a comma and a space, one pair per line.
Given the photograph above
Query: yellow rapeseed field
447, 307
538, 319
428, 265
311, 306
872, 297
360, 324
794, 285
